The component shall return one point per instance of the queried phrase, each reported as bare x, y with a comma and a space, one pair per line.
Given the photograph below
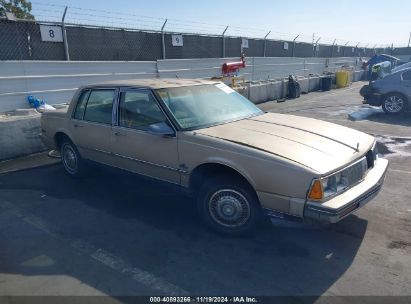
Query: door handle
78, 126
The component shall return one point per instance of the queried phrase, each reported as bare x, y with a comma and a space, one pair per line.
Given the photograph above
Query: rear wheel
229, 205
394, 103
71, 159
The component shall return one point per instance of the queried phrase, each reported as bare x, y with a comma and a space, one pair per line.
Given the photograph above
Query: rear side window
100, 106
81, 105
406, 75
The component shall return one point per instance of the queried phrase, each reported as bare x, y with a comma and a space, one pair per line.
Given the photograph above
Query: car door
406, 83
135, 145
91, 124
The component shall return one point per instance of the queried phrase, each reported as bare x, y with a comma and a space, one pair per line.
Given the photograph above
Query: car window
406, 76
139, 110
100, 106
81, 105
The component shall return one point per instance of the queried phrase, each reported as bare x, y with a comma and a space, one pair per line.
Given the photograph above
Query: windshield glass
200, 106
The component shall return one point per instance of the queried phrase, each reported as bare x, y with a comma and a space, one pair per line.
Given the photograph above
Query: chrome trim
136, 159
150, 163
98, 150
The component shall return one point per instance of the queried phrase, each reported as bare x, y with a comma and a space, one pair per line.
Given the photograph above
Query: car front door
135, 144
406, 83
91, 124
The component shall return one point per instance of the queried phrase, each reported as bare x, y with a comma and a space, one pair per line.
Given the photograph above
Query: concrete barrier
20, 134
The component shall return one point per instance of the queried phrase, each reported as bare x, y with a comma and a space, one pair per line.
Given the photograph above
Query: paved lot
117, 234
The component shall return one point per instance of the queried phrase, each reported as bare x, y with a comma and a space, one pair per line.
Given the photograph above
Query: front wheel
71, 159
394, 103
229, 205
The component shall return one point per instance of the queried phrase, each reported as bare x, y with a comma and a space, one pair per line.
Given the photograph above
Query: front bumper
351, 200
373, 99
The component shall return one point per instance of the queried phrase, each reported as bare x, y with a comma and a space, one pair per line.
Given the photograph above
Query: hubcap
69, 159
229, 208
394, 104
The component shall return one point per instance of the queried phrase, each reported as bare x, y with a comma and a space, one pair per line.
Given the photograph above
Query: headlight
326, 187
329, 186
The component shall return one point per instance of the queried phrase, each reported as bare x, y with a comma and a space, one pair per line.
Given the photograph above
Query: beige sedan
239, 162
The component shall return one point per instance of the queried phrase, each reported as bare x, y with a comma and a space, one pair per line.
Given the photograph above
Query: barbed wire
100, 17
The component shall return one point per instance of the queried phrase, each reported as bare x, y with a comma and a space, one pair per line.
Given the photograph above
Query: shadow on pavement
403, 119
155, 228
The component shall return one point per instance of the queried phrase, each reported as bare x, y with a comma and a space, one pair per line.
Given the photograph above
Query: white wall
56, 81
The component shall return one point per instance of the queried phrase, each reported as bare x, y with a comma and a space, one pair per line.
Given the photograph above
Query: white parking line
98, 254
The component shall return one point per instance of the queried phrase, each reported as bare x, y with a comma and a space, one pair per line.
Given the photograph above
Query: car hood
318, 145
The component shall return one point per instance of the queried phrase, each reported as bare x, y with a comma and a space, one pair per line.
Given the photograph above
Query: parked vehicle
238, 161
392, 92
378, 59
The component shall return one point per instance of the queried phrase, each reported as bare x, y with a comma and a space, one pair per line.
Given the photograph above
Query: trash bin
342, 79
326, 83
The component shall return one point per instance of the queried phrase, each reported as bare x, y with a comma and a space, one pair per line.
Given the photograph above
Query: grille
356, 172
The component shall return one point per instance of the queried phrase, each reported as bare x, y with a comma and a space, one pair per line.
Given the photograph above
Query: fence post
163, 45
332, 48
265, 42
63, 28
223, 40
315, 47
345, 45
292, 53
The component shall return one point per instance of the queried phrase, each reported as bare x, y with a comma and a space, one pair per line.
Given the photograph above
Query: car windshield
201, 106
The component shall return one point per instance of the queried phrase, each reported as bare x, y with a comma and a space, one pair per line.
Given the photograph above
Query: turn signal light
316, 191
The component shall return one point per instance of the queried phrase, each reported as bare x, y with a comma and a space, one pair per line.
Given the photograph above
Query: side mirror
161, 128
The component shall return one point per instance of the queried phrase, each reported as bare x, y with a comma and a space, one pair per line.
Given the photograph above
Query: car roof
152, 83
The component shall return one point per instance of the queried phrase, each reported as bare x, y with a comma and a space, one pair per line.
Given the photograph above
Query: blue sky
349, 20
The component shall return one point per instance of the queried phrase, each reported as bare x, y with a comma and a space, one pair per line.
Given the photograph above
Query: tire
394, 103
229, 205
71, 159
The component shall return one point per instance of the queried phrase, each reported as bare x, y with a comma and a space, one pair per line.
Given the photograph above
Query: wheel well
397, 93
58, 139
208, 170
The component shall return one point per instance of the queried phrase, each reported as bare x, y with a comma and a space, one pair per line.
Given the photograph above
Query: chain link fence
27, 40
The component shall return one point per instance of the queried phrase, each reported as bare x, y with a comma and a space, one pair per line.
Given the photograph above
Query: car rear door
135, 147
91, 123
